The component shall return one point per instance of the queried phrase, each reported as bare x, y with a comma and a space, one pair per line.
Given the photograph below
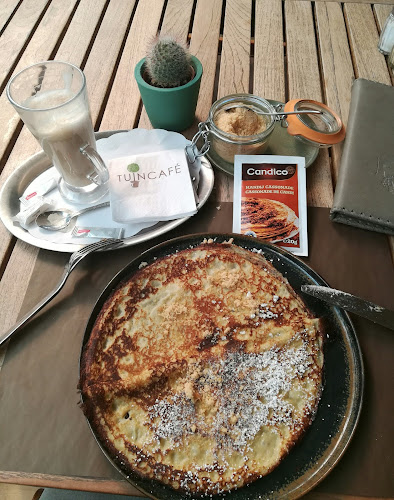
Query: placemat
42, 429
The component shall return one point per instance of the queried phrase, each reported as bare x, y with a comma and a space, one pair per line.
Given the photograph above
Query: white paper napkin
151, 186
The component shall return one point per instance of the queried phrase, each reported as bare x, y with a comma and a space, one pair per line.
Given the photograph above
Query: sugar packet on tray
270, 200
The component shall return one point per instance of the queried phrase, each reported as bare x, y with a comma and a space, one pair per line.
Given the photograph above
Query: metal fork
75, 259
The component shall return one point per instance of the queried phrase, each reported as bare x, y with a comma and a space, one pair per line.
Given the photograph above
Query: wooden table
276, 49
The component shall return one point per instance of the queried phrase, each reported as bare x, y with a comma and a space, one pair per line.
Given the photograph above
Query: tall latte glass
51, 99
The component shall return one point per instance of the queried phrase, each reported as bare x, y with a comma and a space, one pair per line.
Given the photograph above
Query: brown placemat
42, 429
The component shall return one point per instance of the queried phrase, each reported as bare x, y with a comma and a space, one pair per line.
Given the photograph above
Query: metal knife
351, 303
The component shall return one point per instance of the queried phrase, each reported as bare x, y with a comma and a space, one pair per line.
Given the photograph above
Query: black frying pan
328, 436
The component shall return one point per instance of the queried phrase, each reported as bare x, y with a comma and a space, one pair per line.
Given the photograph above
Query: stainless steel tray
19, 180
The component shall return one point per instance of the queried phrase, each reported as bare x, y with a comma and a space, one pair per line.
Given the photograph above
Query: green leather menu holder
364, 196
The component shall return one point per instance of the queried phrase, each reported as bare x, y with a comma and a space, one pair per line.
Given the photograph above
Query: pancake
268, 219
202, 370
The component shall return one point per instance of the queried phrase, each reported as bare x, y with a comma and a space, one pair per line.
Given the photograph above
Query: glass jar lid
325, 128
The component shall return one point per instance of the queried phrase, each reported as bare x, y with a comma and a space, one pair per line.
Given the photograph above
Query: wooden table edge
92, 484
121, 486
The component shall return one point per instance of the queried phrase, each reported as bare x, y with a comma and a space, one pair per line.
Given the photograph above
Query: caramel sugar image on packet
270, 200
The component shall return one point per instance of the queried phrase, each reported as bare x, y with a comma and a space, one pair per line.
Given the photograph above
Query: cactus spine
168, 63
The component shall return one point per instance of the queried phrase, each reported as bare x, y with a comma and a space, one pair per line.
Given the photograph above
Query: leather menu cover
364, 196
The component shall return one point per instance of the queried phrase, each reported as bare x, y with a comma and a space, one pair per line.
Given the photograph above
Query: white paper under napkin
151, 186
96, 218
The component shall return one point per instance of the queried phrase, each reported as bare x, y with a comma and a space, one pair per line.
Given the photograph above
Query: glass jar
320, 130
225, 145
386, 39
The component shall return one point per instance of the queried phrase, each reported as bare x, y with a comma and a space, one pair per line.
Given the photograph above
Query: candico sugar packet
270, 200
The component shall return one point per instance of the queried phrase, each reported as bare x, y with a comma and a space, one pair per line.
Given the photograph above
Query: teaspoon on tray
56, 220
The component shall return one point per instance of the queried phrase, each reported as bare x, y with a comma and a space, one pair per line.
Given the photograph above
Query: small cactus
168, 63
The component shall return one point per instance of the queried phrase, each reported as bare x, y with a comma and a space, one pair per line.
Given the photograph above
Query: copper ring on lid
322, 130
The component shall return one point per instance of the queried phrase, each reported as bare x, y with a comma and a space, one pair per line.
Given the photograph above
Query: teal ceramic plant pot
170, 109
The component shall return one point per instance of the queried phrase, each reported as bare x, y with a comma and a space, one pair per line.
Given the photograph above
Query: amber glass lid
325, 128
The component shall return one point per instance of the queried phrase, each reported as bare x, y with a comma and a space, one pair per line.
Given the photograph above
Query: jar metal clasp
192, 150
282, 116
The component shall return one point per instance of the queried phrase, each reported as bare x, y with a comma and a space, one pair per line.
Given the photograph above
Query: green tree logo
133, 167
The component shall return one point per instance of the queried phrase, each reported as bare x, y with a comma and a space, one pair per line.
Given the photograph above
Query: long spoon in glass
275, 113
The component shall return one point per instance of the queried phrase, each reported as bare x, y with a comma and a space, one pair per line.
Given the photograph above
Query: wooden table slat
363, 35
106, 46
369, 2
269, 74
235, 54
304, 82
235, 48
25, 146
177, 18
125, 97
17, 33
381, 13
204, 45
7, 10
302, 57
121, 487
15, 281
80, 32
337, 67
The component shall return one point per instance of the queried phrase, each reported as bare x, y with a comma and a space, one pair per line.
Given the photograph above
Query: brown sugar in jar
238, 130
240, 121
